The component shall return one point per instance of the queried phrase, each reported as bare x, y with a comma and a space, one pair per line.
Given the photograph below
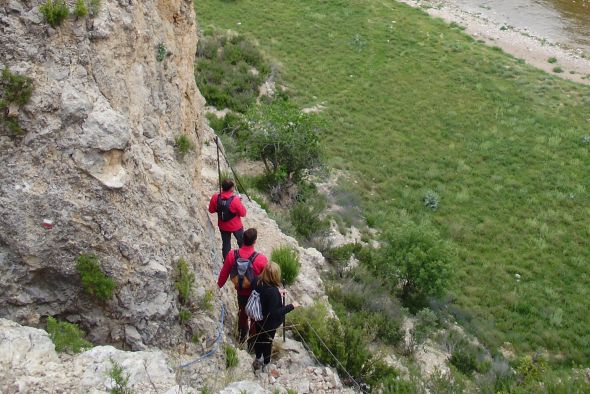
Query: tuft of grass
557, 69
80, 9
207, 301
431, 200
183, 144
184, 315
55, 12
66, 336
231, 356
552, 60
161, 52
120, 379
184, 281
94, 281
286, 257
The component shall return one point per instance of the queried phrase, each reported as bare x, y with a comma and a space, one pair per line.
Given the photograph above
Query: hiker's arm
213, 204
277, 310
225, 270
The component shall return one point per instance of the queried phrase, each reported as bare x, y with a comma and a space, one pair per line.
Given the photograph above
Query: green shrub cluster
231, 356
120, 379
184, 315
80, 9
94, 281
14, 89
416, 261
184, 281
229, 70
161, 52
55, 12
66, 336
183, 144
207, 301
346, 344
286, 257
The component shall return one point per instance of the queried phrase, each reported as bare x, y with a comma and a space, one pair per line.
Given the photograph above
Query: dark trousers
226, 240
247, 329
263, 344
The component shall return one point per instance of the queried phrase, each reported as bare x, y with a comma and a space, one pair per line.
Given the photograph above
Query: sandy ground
519, 43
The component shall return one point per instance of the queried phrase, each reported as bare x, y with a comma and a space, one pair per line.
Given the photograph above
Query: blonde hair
271, 274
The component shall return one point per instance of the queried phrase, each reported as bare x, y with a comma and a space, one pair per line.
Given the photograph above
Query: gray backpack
242, 272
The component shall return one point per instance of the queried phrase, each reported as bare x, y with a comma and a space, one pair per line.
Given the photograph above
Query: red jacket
236, 207
245, 251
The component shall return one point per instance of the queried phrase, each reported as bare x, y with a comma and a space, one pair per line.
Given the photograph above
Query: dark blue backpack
223, 212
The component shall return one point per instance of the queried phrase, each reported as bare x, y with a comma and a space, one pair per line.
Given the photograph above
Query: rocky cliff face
97, 162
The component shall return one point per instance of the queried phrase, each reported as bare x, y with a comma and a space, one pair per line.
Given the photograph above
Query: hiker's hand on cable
283, 292
295, 304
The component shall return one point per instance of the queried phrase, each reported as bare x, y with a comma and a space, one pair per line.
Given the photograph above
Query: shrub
94, 6
66, 336
431, 200
284, 138
287, 259
346, 343
306, 220
557, 70
231, 356
94, 281
184, 316
14, 89
229, 71
468, 358
530, 369
120, 379
552, 59
161, 52
80, 9
184, 281
54, 11
183, 144
426, 323
418, 260
207, 301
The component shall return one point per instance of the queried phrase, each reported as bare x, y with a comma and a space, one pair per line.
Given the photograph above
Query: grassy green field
413, 105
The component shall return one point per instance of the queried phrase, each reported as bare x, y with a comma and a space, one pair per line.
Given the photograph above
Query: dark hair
227, 184
250, 236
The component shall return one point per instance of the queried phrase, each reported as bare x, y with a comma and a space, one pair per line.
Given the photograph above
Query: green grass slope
414, 104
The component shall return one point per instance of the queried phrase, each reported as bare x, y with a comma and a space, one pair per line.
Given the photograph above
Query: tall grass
286, 257
413, 105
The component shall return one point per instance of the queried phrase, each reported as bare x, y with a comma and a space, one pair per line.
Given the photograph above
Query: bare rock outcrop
97, 165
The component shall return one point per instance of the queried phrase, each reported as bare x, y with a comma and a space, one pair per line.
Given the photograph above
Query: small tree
284, 138
419, 261
94, 281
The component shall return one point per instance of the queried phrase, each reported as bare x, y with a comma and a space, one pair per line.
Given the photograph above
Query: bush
120, 379
417, 260
306, 220
55, 12
183, 144
345, 342
468, 358
284, 138
184, 281
231, 357
14, 89
80, 9
229, 71
207, 301
431, 200
557, 69
66, 336
94, 281
287, 259
184, 316
552, 59
161, 52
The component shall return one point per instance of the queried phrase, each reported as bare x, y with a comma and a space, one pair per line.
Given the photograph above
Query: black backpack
242, 272
223, 212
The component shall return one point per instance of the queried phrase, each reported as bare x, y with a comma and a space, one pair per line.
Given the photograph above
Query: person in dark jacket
230, 212
273, 311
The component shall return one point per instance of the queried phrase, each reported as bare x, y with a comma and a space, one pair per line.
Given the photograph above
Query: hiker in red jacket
229, 210
258, 262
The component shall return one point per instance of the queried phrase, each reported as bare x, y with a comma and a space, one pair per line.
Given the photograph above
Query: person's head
227, 185
250, 236
271, 274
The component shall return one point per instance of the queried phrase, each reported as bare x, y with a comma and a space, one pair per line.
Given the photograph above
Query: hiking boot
257, 364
